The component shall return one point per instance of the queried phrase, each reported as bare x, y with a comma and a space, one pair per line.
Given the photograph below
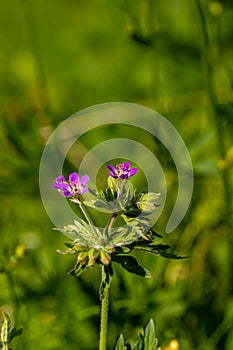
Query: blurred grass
59, 57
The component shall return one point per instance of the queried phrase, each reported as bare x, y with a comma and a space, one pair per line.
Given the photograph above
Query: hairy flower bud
105, 258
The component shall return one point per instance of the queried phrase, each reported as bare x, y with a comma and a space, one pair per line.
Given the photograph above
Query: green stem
86, 214
104, 314
104, 294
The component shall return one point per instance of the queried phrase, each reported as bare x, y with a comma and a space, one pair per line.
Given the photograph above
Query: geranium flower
73, 186
121, 171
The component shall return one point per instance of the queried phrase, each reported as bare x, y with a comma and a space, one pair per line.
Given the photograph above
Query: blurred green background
58, 57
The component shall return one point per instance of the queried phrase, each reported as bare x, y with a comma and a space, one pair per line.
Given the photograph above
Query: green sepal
66, 252
114, 198
93, 254
106, 280
123, 250
69, 244
130, 264
77, 270
110, 194
102, 200
105, 258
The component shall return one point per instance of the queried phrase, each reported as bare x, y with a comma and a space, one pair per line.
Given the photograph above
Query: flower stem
86, 214
104, 312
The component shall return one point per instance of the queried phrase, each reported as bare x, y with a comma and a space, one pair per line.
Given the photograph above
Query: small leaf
130, 264
15, 332
150, 341
147, 340
120, 344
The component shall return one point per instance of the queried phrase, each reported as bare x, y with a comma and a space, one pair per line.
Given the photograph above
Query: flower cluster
121, 171
93, 245
73, 186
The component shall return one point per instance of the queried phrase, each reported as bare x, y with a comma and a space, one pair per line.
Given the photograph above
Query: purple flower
121, 171
73, 186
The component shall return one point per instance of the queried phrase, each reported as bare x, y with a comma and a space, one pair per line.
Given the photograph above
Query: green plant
104, 246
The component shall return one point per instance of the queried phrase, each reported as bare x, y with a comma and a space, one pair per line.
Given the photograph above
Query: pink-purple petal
126, 165
84, 180
133, 171
112, 169
67, 194
83, 190
60, 178
73, 178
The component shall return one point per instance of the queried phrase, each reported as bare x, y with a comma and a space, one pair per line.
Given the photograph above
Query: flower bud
83, 257
105, 258
92, 255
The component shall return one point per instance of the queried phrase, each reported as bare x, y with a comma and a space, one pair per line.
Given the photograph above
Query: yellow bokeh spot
215, 8
20, 251
174, 345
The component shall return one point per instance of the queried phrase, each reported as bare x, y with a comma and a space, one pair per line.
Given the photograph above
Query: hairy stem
86, 214
104, 314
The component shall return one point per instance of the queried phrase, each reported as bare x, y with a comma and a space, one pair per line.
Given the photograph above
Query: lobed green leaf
130, 264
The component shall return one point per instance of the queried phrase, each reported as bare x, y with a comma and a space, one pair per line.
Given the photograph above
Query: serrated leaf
130, 264
153, 249
148, 201
159, 250
171, 255
82, 233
